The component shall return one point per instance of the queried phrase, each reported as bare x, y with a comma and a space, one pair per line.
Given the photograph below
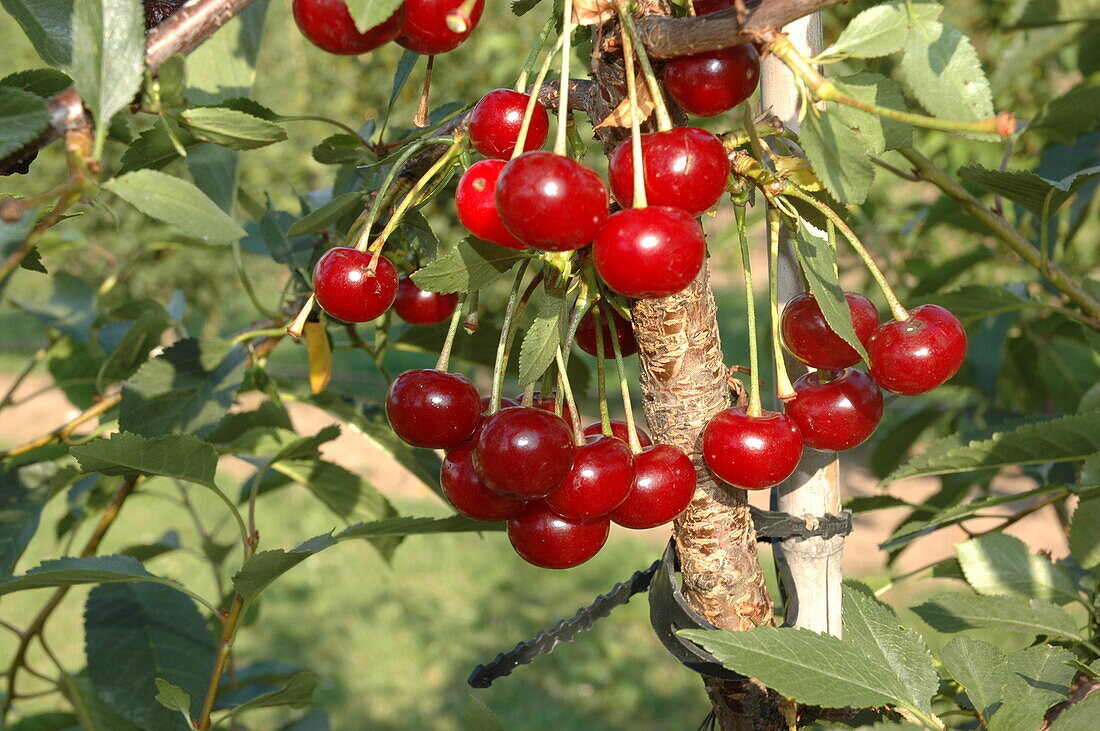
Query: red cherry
329, 26
420, 307
649, 252
706, 7
505, 403
433, 409
618, 429
546, 539
586, 334
685, 167
426, 30
808, 337
664, 484
475, 201
919, 354
496, 120
599, 480
347, 289
466, 491
710, 83
836, 411
751, 452
551, 202
547, 403
523, 453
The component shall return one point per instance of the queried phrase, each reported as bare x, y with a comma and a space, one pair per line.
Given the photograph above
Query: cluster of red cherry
427, 27
836, 407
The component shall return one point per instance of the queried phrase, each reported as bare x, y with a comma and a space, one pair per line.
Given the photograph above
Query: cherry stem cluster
601, 372
563, 88
630, 36
631, 429
521, 138
784, 389
501, 361
635, 124
754, 407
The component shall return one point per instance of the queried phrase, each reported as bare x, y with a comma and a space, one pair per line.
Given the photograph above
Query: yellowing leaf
320, 357
625, 113
592, 12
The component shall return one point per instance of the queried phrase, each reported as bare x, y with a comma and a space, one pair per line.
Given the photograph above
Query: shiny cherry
649, 252
544, 538
417, 306
618, 429
808, 337
496, 120
547, 403
328, 25
468, 494
599, 480
664, 483
505, 403
685, 167
523, 453
426, 29
551, 202
710, 83
586, 334
433, 409
836, 410
347, 289
476, 204
751, 452
919, 354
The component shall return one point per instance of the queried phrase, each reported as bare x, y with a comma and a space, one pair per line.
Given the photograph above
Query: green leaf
1071, 115
41, 82
177, 202
956, 612
479, 717
1039, 677
233, 129
71, 307
470, 266
49, 26
942, 70
297, 693
321, 218
173, 698
976, 302
1084, 533
108, 58
882, 29
1053, 12
1065, 439
998, 565
369, 13
522, 7
342, 491
271, 230
410, 526
341, 149
142, 336
259, 571
877, 134
143, 552
1078, 717
187, 388
870, 503
1028, 189
155, 148
980, 668
818, 261
179, 456
23, 494
837, 157
91, 711
267, 414
77, 571
401, 75
50, 721
23, 117
137, 633
543, 337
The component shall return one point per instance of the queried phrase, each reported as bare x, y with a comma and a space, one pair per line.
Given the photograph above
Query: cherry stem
784, 389
601, 371
664, 120
458, 20
533, 98
299, 323
501, 361
448, 343
532, 57
579, 308
421, 118
896, 309
563, 379
754, 408
631, 429
635, 125
563, 84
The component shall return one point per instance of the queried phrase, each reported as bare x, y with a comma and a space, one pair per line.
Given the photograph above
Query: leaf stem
225, 648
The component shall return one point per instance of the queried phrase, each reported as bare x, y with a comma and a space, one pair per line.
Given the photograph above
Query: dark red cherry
618, 429
600, 478
420, 307
476, 203
751, 452
586, 334
706, 7
685, 167
919, 354
496, 120
808, 337
836, 410
468, 494
433, 409
547, 403
426, 30
664, 483
544, 538
505, 403
710, 83
649, 252
347, 289
523, 453
551, 202
329, 26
